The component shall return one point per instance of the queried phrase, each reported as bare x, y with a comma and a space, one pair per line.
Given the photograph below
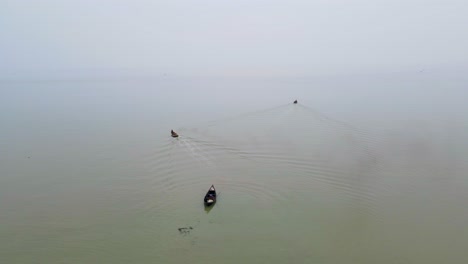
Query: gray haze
404, 58
369, 167
54, 39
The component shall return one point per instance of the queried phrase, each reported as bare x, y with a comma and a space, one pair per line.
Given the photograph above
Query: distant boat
174, 134
210, 197
295, 101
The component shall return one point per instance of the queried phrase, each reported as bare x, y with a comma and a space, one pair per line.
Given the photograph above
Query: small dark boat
174, 134
295, 101
210, 197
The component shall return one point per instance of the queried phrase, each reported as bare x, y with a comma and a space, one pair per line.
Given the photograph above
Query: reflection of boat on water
174, 134
208, 208
210, 197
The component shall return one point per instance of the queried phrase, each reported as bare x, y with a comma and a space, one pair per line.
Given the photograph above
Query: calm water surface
89, 174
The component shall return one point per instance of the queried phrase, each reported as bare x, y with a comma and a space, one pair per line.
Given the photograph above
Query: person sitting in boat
210, 198
174, 134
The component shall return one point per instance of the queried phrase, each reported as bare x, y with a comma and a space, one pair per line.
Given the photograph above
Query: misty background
339, 53
56, 39
369, 167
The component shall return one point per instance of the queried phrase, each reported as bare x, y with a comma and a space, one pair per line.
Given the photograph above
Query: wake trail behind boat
196, 152
246, 115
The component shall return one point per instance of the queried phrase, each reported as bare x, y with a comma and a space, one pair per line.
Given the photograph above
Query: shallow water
90, 174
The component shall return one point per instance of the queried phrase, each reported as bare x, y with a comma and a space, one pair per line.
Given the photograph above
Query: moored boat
210, 197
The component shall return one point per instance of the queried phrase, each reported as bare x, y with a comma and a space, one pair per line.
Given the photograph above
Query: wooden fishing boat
174, 134
210, 197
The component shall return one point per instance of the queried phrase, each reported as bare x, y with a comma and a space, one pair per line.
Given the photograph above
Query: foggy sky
231, 38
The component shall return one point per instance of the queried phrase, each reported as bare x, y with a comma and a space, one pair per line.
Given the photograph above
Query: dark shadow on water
208, 208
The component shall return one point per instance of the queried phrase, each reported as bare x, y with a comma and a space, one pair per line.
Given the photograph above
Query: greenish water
90, 174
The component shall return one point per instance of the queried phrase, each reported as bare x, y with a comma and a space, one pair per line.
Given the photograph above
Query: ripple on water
270, 155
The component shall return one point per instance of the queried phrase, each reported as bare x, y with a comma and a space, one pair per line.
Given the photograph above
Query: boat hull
210, 197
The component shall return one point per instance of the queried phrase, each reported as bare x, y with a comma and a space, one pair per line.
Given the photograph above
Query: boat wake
196, 151
270, 154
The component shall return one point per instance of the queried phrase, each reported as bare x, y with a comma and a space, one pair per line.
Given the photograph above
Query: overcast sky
231, 38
